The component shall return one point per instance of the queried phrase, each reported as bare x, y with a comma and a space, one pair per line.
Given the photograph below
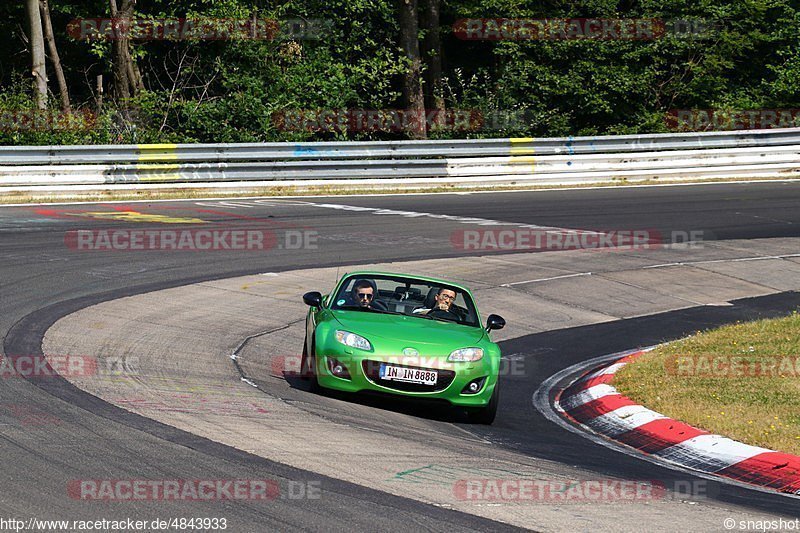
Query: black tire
486, 415
308, 368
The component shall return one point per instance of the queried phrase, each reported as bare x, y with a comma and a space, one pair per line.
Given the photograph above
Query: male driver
443, 306
363, 293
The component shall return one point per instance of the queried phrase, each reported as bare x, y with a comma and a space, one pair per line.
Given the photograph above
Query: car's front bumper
452, 378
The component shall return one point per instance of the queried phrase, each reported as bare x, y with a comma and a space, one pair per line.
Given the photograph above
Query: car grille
372, 370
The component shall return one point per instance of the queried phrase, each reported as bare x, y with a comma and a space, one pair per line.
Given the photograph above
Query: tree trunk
38, 68
134, 75
432, 54
127, 79
412, 79
47, 25
118, 65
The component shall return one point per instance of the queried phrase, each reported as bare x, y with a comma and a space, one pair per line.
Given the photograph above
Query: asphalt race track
54, 433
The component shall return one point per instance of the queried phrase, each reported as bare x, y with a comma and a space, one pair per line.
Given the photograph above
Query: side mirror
495, 322
313, 298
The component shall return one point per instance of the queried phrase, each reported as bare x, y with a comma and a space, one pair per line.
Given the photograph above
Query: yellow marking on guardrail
522, 152
521, 146
151, 153
157, 152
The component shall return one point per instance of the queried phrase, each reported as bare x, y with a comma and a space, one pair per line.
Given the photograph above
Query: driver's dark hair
445, 289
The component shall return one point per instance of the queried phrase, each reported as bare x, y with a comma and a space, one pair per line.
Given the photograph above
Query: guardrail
763, 153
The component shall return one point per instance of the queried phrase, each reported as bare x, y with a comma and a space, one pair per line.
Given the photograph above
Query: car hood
414, 331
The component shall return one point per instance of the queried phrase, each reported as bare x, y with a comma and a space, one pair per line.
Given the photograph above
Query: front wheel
308, 368
486, 415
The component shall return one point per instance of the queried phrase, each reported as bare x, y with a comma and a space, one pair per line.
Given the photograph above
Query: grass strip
741, 381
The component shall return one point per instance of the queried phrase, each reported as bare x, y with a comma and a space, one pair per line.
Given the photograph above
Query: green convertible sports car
411, 336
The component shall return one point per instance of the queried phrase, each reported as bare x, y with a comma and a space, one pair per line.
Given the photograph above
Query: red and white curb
596, 406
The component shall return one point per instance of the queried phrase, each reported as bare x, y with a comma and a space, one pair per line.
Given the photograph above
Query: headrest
430, 299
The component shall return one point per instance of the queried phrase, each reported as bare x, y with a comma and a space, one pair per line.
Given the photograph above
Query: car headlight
466, 354
351, 339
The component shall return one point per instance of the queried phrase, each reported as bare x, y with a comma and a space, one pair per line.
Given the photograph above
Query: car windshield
406, 296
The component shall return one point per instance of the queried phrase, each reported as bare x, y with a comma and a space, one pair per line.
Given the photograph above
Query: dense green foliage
230, 91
